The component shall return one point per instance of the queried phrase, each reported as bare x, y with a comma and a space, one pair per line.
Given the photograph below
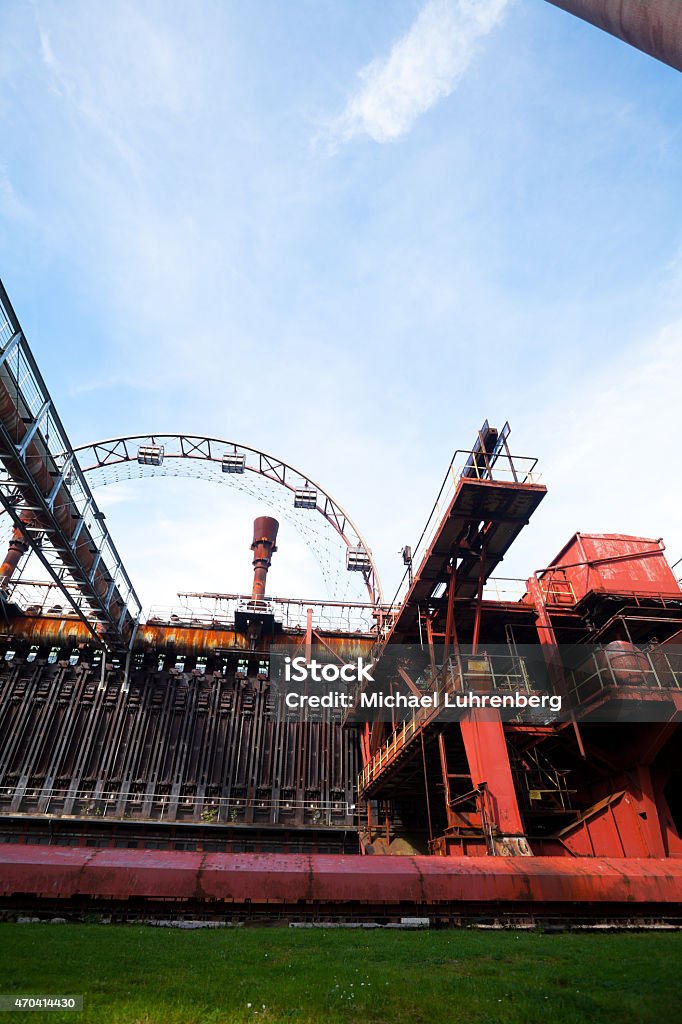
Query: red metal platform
480, 524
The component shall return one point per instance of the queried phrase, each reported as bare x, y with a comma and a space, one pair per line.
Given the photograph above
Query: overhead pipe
264, 537
653, 26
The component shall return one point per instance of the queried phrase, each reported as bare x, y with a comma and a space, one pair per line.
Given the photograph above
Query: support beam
488, 758
450, 628
654, 26
549, 646
648, 813
479, 599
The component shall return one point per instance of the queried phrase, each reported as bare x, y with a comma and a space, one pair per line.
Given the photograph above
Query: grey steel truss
47, 497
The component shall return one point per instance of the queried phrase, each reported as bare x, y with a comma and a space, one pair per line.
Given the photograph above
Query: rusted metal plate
613, 563
51, 629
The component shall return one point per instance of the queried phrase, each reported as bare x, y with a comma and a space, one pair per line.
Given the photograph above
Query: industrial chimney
18, 546
654, 26
264, 536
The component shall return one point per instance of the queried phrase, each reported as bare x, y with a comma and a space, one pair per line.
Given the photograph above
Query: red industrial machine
602, 781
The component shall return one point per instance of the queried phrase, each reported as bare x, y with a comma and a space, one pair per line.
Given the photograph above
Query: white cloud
422, 67
117, 80
609, 455
11, 204
77, 94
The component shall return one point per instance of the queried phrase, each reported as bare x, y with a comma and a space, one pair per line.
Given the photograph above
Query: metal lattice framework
324, 525
44, 496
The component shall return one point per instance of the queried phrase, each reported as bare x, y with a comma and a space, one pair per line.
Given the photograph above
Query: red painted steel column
650, 820
548, 644
365, 747
488, 758
308, 635
654, 26
377, 735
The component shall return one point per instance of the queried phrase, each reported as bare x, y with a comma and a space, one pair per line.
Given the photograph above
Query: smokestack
654, 26
17, 548
264, 536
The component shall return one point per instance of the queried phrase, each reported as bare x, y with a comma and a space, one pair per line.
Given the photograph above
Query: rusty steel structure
264, 536
156, 769
654, 26
598, 783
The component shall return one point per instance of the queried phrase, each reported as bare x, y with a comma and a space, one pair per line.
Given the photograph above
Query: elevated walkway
487, 497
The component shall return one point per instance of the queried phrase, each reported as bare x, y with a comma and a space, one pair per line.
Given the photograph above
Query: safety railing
467, 464
556, 587
501, 674
112, 804
387, 753
623, 667
44, 597
218, 610
504, 588
543, 787
255, 606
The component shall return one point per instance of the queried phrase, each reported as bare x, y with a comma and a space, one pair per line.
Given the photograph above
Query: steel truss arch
140, 455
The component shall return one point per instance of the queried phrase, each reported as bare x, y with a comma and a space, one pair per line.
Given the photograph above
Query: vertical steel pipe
264, 537
654, 26
17, 548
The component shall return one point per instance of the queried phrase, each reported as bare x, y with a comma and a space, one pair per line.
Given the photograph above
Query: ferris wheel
345, 560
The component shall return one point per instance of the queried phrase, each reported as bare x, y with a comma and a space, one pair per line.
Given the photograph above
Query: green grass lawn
144, 974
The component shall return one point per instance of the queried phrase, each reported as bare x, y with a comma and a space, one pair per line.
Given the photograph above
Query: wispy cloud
117, 81
606, 456
65, 85
422, 68
12, 205
112, 383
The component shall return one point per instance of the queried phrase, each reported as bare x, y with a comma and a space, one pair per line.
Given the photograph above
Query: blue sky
346, 233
